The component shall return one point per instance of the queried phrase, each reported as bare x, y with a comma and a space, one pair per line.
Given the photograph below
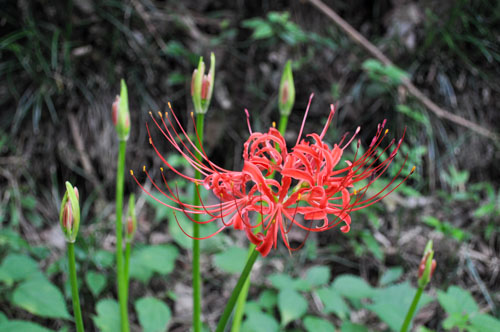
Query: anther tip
412, 169
132, 172
161, 169
159, 113
274, 124
192, 114
144, 168
150, 113
169, 105
386, 131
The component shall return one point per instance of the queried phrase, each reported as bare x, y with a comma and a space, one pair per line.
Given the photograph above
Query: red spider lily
285, 187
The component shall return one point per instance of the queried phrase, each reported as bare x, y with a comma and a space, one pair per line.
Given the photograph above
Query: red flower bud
205, 85
130, 226
67, 217
114, 110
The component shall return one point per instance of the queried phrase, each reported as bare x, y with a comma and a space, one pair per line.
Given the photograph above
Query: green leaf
485, 209
352, 287
318, 275
455, 320
154, 315
232, 260
485, 323
372, 245
457, 300
108, 316
258, 321
268, 299
252, 306
392, 303
281, 280
291, 305
41, 298
263, 31
17, 267
315, 324
284, 281
333, 302
391, 275
103, 258
12, 239
96, 282
3, 318
149, 259
351, 327
21, 325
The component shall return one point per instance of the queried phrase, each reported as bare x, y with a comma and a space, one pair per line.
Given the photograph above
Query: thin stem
74, 288
242, 298
196, 234
120, 275
128, 249
411, 311
240, 306
236, 291
282, 125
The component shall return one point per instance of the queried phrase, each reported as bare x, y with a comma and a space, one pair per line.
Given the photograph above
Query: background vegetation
60, 66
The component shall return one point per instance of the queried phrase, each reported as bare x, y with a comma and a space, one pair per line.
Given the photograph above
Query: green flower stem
240, 306
236, 291
120, 272
411, 311
242, 298
200, 119
74, 288
128, 249
282, 125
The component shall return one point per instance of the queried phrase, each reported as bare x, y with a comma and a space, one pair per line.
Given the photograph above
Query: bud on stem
120, 113
202, 86
287, 91
69, 215
427, 266
131, 224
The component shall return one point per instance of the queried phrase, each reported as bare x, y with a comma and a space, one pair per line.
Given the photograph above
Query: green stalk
74, 288
282, 125
120, 272
240, 306
242, 298
200, 118
237, 291
411, 311
128, 249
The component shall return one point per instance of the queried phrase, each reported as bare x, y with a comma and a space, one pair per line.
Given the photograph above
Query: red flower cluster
286, 187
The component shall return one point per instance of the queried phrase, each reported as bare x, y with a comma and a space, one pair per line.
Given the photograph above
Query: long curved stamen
248, 121
305, 117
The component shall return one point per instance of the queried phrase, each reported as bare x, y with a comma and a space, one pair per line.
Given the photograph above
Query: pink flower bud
67, 216
205, 85
114, 110
130, 226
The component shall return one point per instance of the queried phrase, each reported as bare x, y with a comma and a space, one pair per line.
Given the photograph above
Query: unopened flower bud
131, 224
114, 110
69, 216
120, 113
202, 86
287, 91
427, 266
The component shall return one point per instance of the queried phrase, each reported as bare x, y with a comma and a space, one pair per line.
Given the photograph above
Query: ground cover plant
291, 182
